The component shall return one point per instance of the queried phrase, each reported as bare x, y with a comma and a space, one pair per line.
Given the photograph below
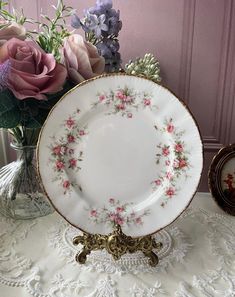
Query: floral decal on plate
63, 158
124, 101
117, 213
173, 157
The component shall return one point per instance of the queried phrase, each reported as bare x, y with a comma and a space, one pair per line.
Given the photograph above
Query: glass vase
21, 194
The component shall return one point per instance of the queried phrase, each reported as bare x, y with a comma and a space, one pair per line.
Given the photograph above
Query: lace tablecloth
197, 259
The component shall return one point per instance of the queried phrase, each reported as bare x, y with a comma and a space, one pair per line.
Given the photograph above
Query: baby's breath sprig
148, 67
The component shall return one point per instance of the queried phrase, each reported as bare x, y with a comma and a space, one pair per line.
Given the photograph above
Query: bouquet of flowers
38, 67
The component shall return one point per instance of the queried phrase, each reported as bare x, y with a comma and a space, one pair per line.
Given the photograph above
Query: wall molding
186, 49
210, 143
212, 146
223, 103
230, 82
226, 94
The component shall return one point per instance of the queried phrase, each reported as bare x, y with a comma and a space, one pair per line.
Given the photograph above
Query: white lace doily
174, 241
197, 260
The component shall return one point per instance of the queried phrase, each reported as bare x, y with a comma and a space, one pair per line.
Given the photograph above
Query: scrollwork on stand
117, 244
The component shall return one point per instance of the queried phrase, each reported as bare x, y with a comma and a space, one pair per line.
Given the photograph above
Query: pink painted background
194, 41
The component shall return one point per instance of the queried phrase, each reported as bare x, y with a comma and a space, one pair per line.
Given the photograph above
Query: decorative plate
120, 149
222, 178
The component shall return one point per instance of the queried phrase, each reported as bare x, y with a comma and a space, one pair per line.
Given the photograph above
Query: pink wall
194, 41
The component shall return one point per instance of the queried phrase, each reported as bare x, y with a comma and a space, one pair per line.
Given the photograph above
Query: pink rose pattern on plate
117, 213
124, 101
174, 159
173, 155
62, 157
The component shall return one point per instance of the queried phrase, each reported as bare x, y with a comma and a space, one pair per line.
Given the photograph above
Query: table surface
198, 259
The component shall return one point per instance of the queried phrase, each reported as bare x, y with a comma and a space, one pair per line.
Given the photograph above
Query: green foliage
16, 16
28, 113
53, 31
9, 111
34, 112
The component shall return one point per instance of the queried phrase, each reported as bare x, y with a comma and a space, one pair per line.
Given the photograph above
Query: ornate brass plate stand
117, 244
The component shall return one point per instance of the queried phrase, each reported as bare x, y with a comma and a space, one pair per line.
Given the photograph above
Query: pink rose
70, 138
81, 133
81, 59
33, 73
101, 97
72, 163
119, 209
120, 95
182, 163
129, 115
170, 192
158, 182
70, 123
165, 151
120, 106
147, 102
59, 165
66, 184
179, 148
11, 30
170, 128
93, 213
57, 150
119, 220
169, 175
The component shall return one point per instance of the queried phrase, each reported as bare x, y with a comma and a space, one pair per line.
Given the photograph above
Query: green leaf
9, 111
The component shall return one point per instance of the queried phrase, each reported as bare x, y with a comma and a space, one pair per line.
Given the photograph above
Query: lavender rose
81, 59
11, 30
33, 73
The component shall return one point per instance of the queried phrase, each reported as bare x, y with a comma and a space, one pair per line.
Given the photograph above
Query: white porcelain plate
120, 149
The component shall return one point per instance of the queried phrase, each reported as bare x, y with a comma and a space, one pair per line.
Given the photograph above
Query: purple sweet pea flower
97, 10
106, 4
114, 26
101, 7
113, 44
96, 23
75, 21
113, 64
104, 22
113, 13
4, 74
104, 50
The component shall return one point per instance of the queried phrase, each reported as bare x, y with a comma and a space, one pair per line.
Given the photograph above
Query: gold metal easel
117, 244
